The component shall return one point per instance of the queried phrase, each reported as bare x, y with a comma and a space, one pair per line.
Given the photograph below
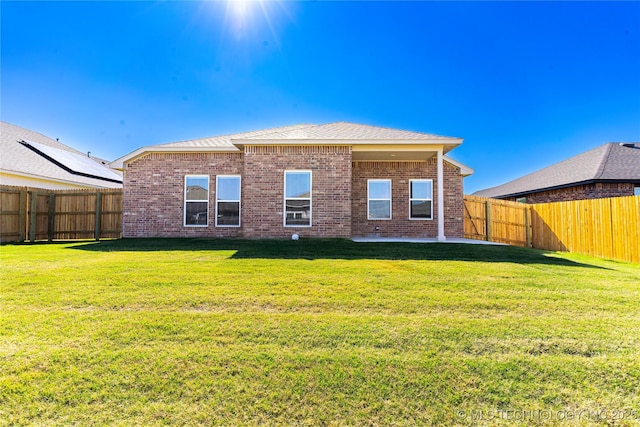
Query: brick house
333, 180
610, 170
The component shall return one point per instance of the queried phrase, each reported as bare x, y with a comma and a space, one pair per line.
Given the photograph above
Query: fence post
51, 216
98, 215
487, 219
527, 224
22, 219
33, 216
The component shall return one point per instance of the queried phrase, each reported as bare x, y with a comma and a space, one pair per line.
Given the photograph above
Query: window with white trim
420, 199
379, 199
196, 200
297, 198
228, 201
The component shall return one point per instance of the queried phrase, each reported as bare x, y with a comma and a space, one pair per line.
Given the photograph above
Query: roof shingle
329, 131
608, 162
17, 158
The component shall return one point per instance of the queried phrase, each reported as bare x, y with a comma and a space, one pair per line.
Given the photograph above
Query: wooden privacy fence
497, 221
36, 214
607, 228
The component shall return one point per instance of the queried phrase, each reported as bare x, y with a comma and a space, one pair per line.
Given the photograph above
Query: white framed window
228, 201
420, 199
297, 199
379, 199
196, 201
636, 190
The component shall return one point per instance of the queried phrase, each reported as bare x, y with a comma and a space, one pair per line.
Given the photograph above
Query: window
420, 199
636, 190
227, 201
379, 199
521, 200
196, 200
297, 198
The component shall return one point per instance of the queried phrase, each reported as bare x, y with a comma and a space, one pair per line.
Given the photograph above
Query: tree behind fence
31, 214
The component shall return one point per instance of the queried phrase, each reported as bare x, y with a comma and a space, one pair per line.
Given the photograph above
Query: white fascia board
464, 169
119, 163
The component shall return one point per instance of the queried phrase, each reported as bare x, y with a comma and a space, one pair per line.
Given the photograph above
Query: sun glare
239, 8
242, 16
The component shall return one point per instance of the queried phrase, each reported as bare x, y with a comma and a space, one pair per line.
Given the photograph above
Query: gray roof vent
630, 145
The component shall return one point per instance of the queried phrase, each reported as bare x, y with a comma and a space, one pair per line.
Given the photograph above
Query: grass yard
315, 332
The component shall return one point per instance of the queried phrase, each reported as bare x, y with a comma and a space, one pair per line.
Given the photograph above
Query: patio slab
422, 240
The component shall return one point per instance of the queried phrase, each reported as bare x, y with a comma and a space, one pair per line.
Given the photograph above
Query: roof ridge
389, 128
235, 134
603, 163
256, 133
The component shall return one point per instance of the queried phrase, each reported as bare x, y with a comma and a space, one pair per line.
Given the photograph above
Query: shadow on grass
312, 249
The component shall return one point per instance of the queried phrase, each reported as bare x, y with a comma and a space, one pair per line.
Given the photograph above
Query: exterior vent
630, 145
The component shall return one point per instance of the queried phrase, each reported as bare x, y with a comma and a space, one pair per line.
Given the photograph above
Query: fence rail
497, 221
35, 214
606, 228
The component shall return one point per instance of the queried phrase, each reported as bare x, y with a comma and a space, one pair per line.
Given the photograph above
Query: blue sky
526, 84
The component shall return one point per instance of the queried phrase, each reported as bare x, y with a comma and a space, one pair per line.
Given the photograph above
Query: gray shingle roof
338, 133
17, 158
330, 131
608, 162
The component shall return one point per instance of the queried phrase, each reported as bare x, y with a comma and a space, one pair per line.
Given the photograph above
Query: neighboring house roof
619, 162
341, 133
25, 153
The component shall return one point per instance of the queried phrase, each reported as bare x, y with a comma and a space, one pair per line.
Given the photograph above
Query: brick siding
581, 192
400, 225
263, 200
153, 199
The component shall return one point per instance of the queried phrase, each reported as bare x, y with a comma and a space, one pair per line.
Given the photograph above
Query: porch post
441, 236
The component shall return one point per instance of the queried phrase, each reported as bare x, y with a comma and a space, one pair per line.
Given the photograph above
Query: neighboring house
30, 159
331, 180
610, 170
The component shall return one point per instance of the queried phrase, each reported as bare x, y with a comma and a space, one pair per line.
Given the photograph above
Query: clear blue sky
526, 84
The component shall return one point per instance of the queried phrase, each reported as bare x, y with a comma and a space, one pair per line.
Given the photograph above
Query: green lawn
315, 332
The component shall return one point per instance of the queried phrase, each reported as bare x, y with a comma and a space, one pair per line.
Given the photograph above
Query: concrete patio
422, 240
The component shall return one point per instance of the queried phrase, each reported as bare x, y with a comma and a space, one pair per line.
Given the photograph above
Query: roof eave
464, 169
448, 144
119, 164
560, 187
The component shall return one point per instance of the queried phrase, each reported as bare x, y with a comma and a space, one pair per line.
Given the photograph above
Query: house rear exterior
332, 180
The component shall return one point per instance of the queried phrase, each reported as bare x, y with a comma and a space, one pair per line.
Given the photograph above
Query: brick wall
581, 192
263, 192
400, 225
153, 198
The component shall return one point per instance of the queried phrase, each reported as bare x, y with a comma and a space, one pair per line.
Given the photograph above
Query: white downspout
441, 236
